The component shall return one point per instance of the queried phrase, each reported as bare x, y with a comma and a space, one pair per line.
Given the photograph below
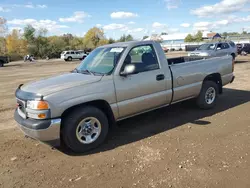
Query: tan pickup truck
115, 82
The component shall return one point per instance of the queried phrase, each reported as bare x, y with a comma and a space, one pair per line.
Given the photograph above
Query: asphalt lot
178, 146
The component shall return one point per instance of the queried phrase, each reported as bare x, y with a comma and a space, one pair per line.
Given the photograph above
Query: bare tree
3, 31
3, 26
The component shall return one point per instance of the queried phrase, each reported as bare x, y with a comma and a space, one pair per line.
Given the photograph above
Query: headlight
38, 105
38, 109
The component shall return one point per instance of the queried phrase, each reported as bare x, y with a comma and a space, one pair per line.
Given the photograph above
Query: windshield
207, 47
101, 60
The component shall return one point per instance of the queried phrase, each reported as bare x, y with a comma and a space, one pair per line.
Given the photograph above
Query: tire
1, 64
233, 55
203, 100
71, 125
69, 59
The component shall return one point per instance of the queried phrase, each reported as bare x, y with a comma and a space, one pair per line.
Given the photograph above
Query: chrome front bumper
47, 131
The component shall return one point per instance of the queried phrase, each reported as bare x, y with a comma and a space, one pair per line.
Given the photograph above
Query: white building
169, 39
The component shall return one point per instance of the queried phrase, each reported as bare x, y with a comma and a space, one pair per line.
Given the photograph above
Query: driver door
144, 90
219, 50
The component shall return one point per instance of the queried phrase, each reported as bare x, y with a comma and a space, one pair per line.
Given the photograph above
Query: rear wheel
85, 129
1, 64
208, 95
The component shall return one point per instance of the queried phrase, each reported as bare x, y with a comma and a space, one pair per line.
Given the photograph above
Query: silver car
216, 49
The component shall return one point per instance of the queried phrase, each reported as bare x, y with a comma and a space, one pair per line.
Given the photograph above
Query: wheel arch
100, 104
215, 77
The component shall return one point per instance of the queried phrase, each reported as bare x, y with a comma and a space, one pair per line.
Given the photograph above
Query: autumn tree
16, 45
13, 42
94, 37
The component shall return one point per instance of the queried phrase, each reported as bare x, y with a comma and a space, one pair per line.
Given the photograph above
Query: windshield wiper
97, 73
85, 71
74, 71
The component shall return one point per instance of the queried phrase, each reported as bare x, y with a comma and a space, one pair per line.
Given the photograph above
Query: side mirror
218, 48
128, 70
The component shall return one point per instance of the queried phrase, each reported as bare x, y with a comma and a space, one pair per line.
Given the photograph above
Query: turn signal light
42, 116
42, 105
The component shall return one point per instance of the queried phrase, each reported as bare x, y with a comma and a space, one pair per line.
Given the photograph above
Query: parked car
215, 49
3, 60
243, 48
113, 83
70, 55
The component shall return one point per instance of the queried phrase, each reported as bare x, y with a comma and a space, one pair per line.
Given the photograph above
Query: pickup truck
3, 60
114, 82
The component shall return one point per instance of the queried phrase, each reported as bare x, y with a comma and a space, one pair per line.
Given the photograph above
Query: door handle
160, 77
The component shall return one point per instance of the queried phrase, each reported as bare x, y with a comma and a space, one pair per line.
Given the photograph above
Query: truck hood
58, 83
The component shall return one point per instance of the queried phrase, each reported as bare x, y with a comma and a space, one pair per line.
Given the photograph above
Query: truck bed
183, 59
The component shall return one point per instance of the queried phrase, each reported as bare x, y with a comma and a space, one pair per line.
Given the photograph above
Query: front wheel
84, 129
208, 95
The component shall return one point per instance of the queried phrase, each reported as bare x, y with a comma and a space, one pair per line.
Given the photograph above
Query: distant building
211, 36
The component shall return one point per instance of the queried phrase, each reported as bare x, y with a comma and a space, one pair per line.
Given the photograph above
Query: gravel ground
178, 146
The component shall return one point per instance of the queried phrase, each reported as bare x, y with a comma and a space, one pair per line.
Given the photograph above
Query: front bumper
47, 131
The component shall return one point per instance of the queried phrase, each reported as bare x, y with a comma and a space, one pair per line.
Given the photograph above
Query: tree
16, 45
122, 38
3, 26
3, 30
244, 33
93, 37
224, 34
41, 43
189, 38
67, 38
29, 33
125, 38
129, 38
198, 36
144, 37
111, 41
103, 42
13, 42
57, 44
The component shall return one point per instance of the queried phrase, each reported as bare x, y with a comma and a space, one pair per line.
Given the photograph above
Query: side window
232, 44
67, 53
225, 46
77, 52
219, 46
72, 52
143, 57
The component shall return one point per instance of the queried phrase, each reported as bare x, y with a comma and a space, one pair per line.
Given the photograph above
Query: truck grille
21, 105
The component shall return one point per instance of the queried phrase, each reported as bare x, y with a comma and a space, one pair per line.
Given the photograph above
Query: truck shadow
241, 61
158, 121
